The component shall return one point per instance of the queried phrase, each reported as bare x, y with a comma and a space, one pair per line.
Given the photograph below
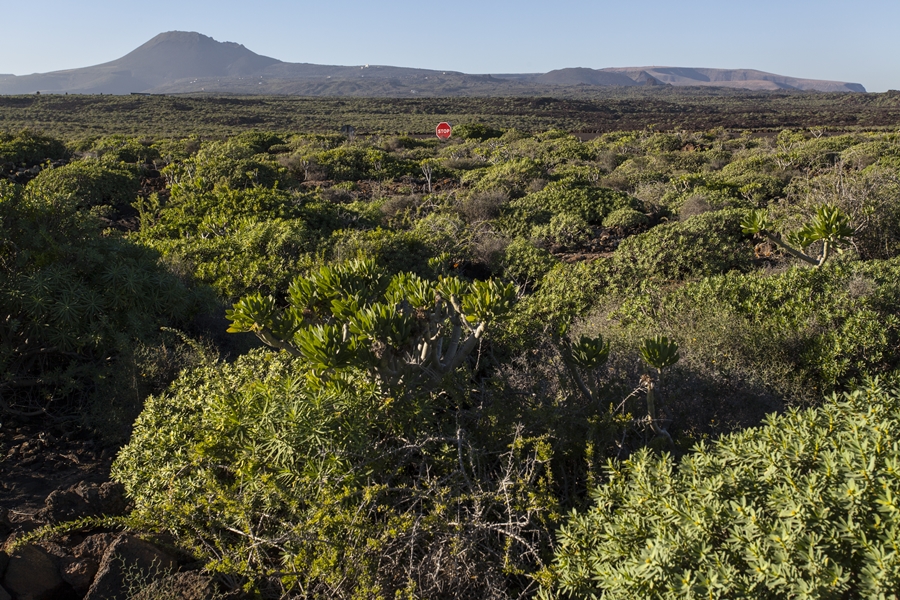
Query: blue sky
826, 39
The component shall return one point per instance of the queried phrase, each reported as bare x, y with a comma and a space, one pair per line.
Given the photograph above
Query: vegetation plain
572, 109
656, 361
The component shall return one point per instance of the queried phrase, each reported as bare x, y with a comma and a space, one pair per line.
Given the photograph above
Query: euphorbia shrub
805, 506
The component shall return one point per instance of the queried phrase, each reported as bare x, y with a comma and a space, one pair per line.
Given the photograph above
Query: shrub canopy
805, 506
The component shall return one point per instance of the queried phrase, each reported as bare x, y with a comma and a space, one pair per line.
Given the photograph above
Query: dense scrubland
576, 108
652, 364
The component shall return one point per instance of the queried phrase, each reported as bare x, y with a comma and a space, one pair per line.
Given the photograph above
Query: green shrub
511, 177
814, 153
119, 148
335, 491
80, 308
626, 218
395, 251
258, 142
191, 210
406, 331
233, 163
752, 342
88, 183
663, 142
29, 148
643, 169
804, 506
553, 148
867, 196
476, 131
351, 163
866, 153
525, 263
483, 206
236, 240
249, 254
706, 244
564, 229
565, 292
444, 232
177, 149
585, 202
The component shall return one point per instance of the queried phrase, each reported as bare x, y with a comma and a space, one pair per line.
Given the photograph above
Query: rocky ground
47, 479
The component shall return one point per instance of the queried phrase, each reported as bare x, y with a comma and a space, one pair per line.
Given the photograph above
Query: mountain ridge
185, 62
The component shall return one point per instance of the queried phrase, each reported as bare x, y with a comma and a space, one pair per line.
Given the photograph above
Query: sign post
443, 130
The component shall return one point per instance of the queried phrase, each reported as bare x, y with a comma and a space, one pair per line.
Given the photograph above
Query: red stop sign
443, 130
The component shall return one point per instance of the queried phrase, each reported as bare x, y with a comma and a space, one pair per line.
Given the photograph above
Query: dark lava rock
129, 561
32, 575
5, 525
83, 499
78, 572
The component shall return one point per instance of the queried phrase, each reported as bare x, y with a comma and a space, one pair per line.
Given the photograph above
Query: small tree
658, 352
405, 330
584, 357
427, 167
829, 226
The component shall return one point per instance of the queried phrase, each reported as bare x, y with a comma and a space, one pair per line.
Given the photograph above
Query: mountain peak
188, 61
177, 55
175, 35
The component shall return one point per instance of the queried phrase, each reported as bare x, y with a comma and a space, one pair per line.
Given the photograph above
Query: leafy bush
237, 241
663, 142
564, 229
526, 263
483, 206
89, 183
395, 251
828, 230
814, 153
754, 342
866, 196
192, 210
405, 331
312, 481
444, 232
350, 163
258, 142
79, 308
585, 202
476, 131
879, 152
706, 244
626, 218
804, 506
29, 148
511, 177
233, 163
177, 149
565, 292
642, 169
250, 255
119, 148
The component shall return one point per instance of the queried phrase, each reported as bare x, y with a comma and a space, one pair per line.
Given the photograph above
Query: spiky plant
829, 226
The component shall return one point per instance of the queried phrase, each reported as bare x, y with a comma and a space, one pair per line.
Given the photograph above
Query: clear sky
823, 39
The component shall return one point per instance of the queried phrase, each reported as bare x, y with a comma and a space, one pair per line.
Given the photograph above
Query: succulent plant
829, 226
405, 330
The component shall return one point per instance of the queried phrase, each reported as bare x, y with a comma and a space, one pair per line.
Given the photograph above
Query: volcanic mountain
189, 62
168, 57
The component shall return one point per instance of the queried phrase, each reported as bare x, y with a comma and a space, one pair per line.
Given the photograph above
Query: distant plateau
179, 62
